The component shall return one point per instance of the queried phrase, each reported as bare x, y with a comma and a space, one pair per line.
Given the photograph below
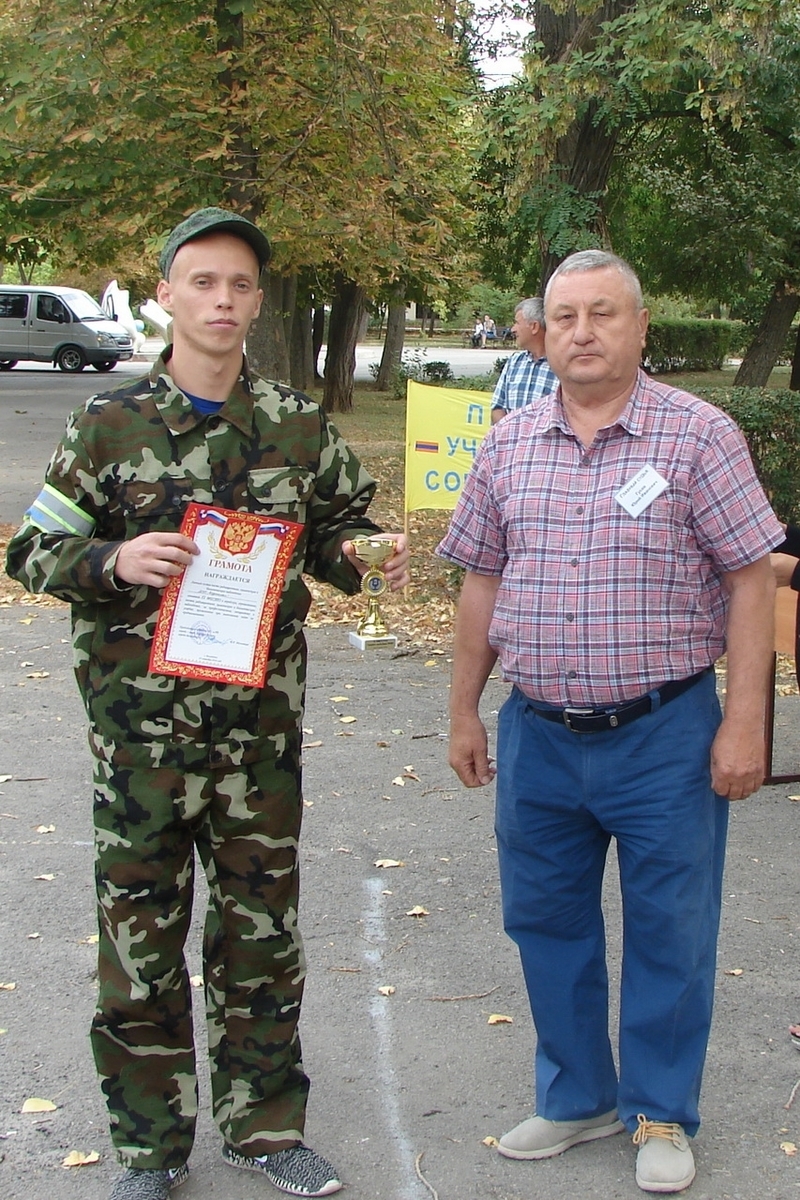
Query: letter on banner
441, 442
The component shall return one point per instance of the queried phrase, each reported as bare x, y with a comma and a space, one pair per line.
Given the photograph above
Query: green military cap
214, 220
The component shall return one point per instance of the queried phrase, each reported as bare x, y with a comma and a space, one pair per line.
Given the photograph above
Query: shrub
677, 344
437, 372
770, 420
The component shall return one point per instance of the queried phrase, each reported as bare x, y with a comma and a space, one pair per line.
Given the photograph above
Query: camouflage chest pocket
280, 492
154, 504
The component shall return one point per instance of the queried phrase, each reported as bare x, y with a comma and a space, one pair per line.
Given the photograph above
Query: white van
61, 325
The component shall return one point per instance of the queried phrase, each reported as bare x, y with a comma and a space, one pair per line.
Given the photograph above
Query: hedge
770, 420
691, 345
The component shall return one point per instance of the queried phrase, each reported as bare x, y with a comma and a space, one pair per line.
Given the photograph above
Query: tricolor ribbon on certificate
216, 619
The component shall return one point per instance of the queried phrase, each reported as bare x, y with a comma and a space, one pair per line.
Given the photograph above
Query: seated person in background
478, 333
489, 330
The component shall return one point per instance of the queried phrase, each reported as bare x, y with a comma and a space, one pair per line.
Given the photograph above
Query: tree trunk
347, 310
583, 156
770, 338
317, 337
302, 368
267, 348
393, 342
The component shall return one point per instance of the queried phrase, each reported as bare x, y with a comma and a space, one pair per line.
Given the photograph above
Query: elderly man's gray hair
597, 260
532, 309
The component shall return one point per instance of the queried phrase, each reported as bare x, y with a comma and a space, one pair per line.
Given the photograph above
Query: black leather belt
597, 720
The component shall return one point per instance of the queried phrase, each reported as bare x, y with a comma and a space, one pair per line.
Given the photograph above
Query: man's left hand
395, 568
738, 761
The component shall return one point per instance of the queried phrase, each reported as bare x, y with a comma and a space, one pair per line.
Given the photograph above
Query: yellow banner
444, 427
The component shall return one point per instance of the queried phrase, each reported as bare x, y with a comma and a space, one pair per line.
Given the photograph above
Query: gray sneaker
539, 1138
148, 1185
298, 1171
665, 1162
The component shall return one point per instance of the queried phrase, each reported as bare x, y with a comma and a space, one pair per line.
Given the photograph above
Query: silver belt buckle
576, 712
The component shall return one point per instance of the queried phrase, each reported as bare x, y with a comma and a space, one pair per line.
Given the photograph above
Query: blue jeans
561, 797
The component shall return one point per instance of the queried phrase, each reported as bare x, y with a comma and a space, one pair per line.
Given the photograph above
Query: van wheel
71, 358
108, 365
7, 364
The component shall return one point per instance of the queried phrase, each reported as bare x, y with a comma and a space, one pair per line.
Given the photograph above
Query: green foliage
681, 344
437, 372
483, 298
770, 420
336, 126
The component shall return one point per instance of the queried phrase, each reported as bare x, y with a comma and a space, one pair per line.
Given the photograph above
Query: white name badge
641, 490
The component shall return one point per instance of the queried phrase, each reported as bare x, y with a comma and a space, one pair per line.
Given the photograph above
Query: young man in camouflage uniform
183, 763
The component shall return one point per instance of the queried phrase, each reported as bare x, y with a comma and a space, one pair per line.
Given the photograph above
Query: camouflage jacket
129, 462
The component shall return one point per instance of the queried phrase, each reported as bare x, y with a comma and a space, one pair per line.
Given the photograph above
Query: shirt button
570, 616
573, 562
213, 422
579, 509
585, 460
572, 674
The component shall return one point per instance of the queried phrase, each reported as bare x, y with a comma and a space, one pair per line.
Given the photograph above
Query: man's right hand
154, 558
469, 756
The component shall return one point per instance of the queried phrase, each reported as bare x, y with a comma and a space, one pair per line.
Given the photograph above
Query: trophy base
366, 641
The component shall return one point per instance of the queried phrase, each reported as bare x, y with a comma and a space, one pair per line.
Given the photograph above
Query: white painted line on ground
411, 1187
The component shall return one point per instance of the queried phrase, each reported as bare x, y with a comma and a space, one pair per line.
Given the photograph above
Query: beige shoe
665, 1162
539, 1138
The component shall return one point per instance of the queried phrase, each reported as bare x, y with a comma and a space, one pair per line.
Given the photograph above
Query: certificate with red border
216, 619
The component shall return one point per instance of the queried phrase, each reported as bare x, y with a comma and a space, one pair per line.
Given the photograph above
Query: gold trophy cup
371, 629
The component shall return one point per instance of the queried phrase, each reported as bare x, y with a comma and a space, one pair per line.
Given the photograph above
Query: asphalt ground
417, 1072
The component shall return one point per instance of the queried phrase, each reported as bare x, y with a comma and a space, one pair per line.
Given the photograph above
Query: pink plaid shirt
595, 606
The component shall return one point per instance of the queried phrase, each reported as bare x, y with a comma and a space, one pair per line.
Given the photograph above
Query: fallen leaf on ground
389, 862
490, 1141
431, 663
500, 1019
46, 878
45, 829
8, 987
38, 675
33, 936
409, 774
5, 779
418, 911
311, 745
383, 745
347, 720
36, 1105
388, 990
196, 981
91, 940
735, 971
789, 1149
2, 1031
339, 699
791, 797
398, 781
77, 1158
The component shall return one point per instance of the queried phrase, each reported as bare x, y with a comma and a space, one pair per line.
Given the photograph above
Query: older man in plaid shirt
616, 541
526, 375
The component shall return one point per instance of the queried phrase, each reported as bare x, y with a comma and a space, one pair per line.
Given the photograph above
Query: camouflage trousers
245, 822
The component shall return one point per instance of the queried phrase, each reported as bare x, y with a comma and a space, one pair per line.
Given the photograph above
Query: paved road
393, 1076
35, 401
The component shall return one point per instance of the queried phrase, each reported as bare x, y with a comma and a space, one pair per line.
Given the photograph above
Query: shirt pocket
154, 505
280, 492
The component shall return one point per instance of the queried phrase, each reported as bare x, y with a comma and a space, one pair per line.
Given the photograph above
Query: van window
50, 308
13, 304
